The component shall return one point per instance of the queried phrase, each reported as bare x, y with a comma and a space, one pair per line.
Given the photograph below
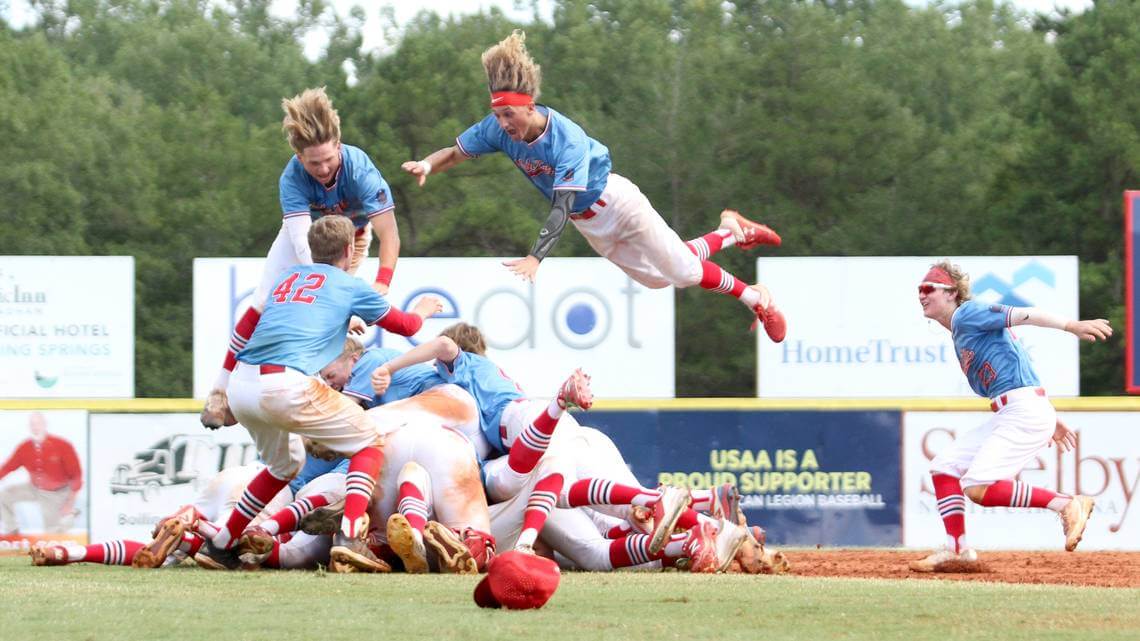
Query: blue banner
807, 477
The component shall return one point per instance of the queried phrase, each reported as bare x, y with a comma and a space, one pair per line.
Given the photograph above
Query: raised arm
439, 348
1090, 330
437, 162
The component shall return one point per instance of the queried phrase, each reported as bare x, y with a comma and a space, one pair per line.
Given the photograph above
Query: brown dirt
1103, 569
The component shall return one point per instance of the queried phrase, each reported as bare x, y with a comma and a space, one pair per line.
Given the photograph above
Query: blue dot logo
581, 319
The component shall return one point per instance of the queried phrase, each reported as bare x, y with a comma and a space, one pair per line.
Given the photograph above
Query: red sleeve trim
402, 323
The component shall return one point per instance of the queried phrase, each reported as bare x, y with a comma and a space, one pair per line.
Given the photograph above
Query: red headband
938, 276
510, 99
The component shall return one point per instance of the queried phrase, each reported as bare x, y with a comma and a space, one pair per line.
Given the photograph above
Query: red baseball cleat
775, 325
748, 234
576, 392
48, 554
700, 547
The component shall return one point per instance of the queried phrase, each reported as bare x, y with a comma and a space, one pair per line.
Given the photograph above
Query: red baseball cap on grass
518, 581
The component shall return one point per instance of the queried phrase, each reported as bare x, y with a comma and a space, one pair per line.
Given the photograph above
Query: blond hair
510, 68
310, 120
352, 348
328, 237
467, 337
959, 276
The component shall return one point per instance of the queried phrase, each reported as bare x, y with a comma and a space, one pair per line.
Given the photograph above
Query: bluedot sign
580, 312
807, 477
856, 328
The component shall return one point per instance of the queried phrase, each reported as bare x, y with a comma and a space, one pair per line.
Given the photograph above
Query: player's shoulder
563, 124
294, 171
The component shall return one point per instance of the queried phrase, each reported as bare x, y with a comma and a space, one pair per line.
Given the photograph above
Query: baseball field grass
95, 602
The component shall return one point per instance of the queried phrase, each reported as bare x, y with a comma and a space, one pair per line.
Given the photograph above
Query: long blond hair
959, 276
310, 120
510, 68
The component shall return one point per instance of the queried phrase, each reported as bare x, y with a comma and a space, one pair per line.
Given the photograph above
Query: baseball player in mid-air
983, 464
324, 177
573, 171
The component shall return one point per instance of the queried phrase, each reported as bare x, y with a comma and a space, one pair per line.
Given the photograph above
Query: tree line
858, 127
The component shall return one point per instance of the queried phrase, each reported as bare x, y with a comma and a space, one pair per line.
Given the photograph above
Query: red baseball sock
711, 243
190, 544
287, 519
716, 279
618, 531
542, 500
688, 519
110, 553
603, 492
260, 491
1018, 494
363, 469
532, 443
243, 330
412, 505
274, 558
631, 550
952, 508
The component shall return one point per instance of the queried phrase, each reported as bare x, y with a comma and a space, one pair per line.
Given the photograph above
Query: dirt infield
1104, 569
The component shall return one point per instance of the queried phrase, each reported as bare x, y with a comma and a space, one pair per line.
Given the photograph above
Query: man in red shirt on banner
55, 479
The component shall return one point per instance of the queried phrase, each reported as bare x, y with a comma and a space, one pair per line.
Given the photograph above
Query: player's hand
380, 288
356, 326
524, 268
1065, 438
1090, 330
416, 168
427, 307
381, 380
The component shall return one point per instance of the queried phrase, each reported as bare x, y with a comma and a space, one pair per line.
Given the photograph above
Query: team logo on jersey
382, 196
533, 167
966, 358
568, 176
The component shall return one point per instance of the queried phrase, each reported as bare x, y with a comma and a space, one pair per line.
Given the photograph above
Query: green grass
96, 602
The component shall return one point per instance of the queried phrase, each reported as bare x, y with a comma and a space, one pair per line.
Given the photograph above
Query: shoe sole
323, 520
255, 544
169, 535
583, 397
662, 530
403, 542
207, 562
343, 555
1074, 538
732, 555
454, 557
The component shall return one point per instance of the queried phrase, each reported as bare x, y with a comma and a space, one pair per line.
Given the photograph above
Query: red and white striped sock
718, 280
596, 491
110, 553
287, 519
412, 505
711, 243
260, 491
190, 544
241, 334
542, 501
630, 550
1018, 494
532, 443
952, 509
363, 469
274, 558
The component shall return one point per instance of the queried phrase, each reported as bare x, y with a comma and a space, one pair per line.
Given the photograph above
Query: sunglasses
928, 289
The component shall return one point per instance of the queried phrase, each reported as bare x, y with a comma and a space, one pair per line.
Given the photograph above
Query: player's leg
119, 552
529, 444
460, 536
405, 528
257, 541
301, 552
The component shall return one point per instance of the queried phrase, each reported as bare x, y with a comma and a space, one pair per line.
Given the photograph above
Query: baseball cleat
525, 548
404, 542
748, 234
728, 541
726, 502
352, 555
323, 520
700, 548
212, 557
167, 536
254, 546
48, 554
1074, 518
576, 392
216, 413
947, 560
666, 511
454, 557
775, 325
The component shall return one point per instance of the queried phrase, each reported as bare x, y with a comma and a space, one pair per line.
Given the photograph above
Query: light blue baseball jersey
306, 317
315, 467
406, 382
492, 389
563, 157
359, 192
992, 359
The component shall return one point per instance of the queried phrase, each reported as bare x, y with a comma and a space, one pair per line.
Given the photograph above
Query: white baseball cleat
1074, 518
947, 560
404, 542
729, 538
666, 511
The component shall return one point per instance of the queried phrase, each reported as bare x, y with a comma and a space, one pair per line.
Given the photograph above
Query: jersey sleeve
375, 195
479, 139
367, 304
572, 172
974, 316
291, 188
450, 372
359, 384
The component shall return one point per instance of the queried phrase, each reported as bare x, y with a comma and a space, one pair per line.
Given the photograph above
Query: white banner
856, 330
1105, 465
67, 326
43, 478
146, 466
582, 312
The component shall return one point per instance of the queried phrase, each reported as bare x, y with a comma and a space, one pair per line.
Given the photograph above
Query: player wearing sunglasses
983, 464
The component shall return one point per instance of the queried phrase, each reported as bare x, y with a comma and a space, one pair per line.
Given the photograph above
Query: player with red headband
573, 171
983, 464
324, 178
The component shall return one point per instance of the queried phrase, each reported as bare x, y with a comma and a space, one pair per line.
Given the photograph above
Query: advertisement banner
856, 329
146, 466
67, 337
1105, 465
43, 471
808, 478
582, 312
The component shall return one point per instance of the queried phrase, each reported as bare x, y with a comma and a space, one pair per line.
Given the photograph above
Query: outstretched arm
551, 231
436, 162
439, 348
1089, 330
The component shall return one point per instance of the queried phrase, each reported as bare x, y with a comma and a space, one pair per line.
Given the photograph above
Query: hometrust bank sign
856, 330
580, 312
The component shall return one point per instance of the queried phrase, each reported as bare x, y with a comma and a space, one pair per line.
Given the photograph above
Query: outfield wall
848, 472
